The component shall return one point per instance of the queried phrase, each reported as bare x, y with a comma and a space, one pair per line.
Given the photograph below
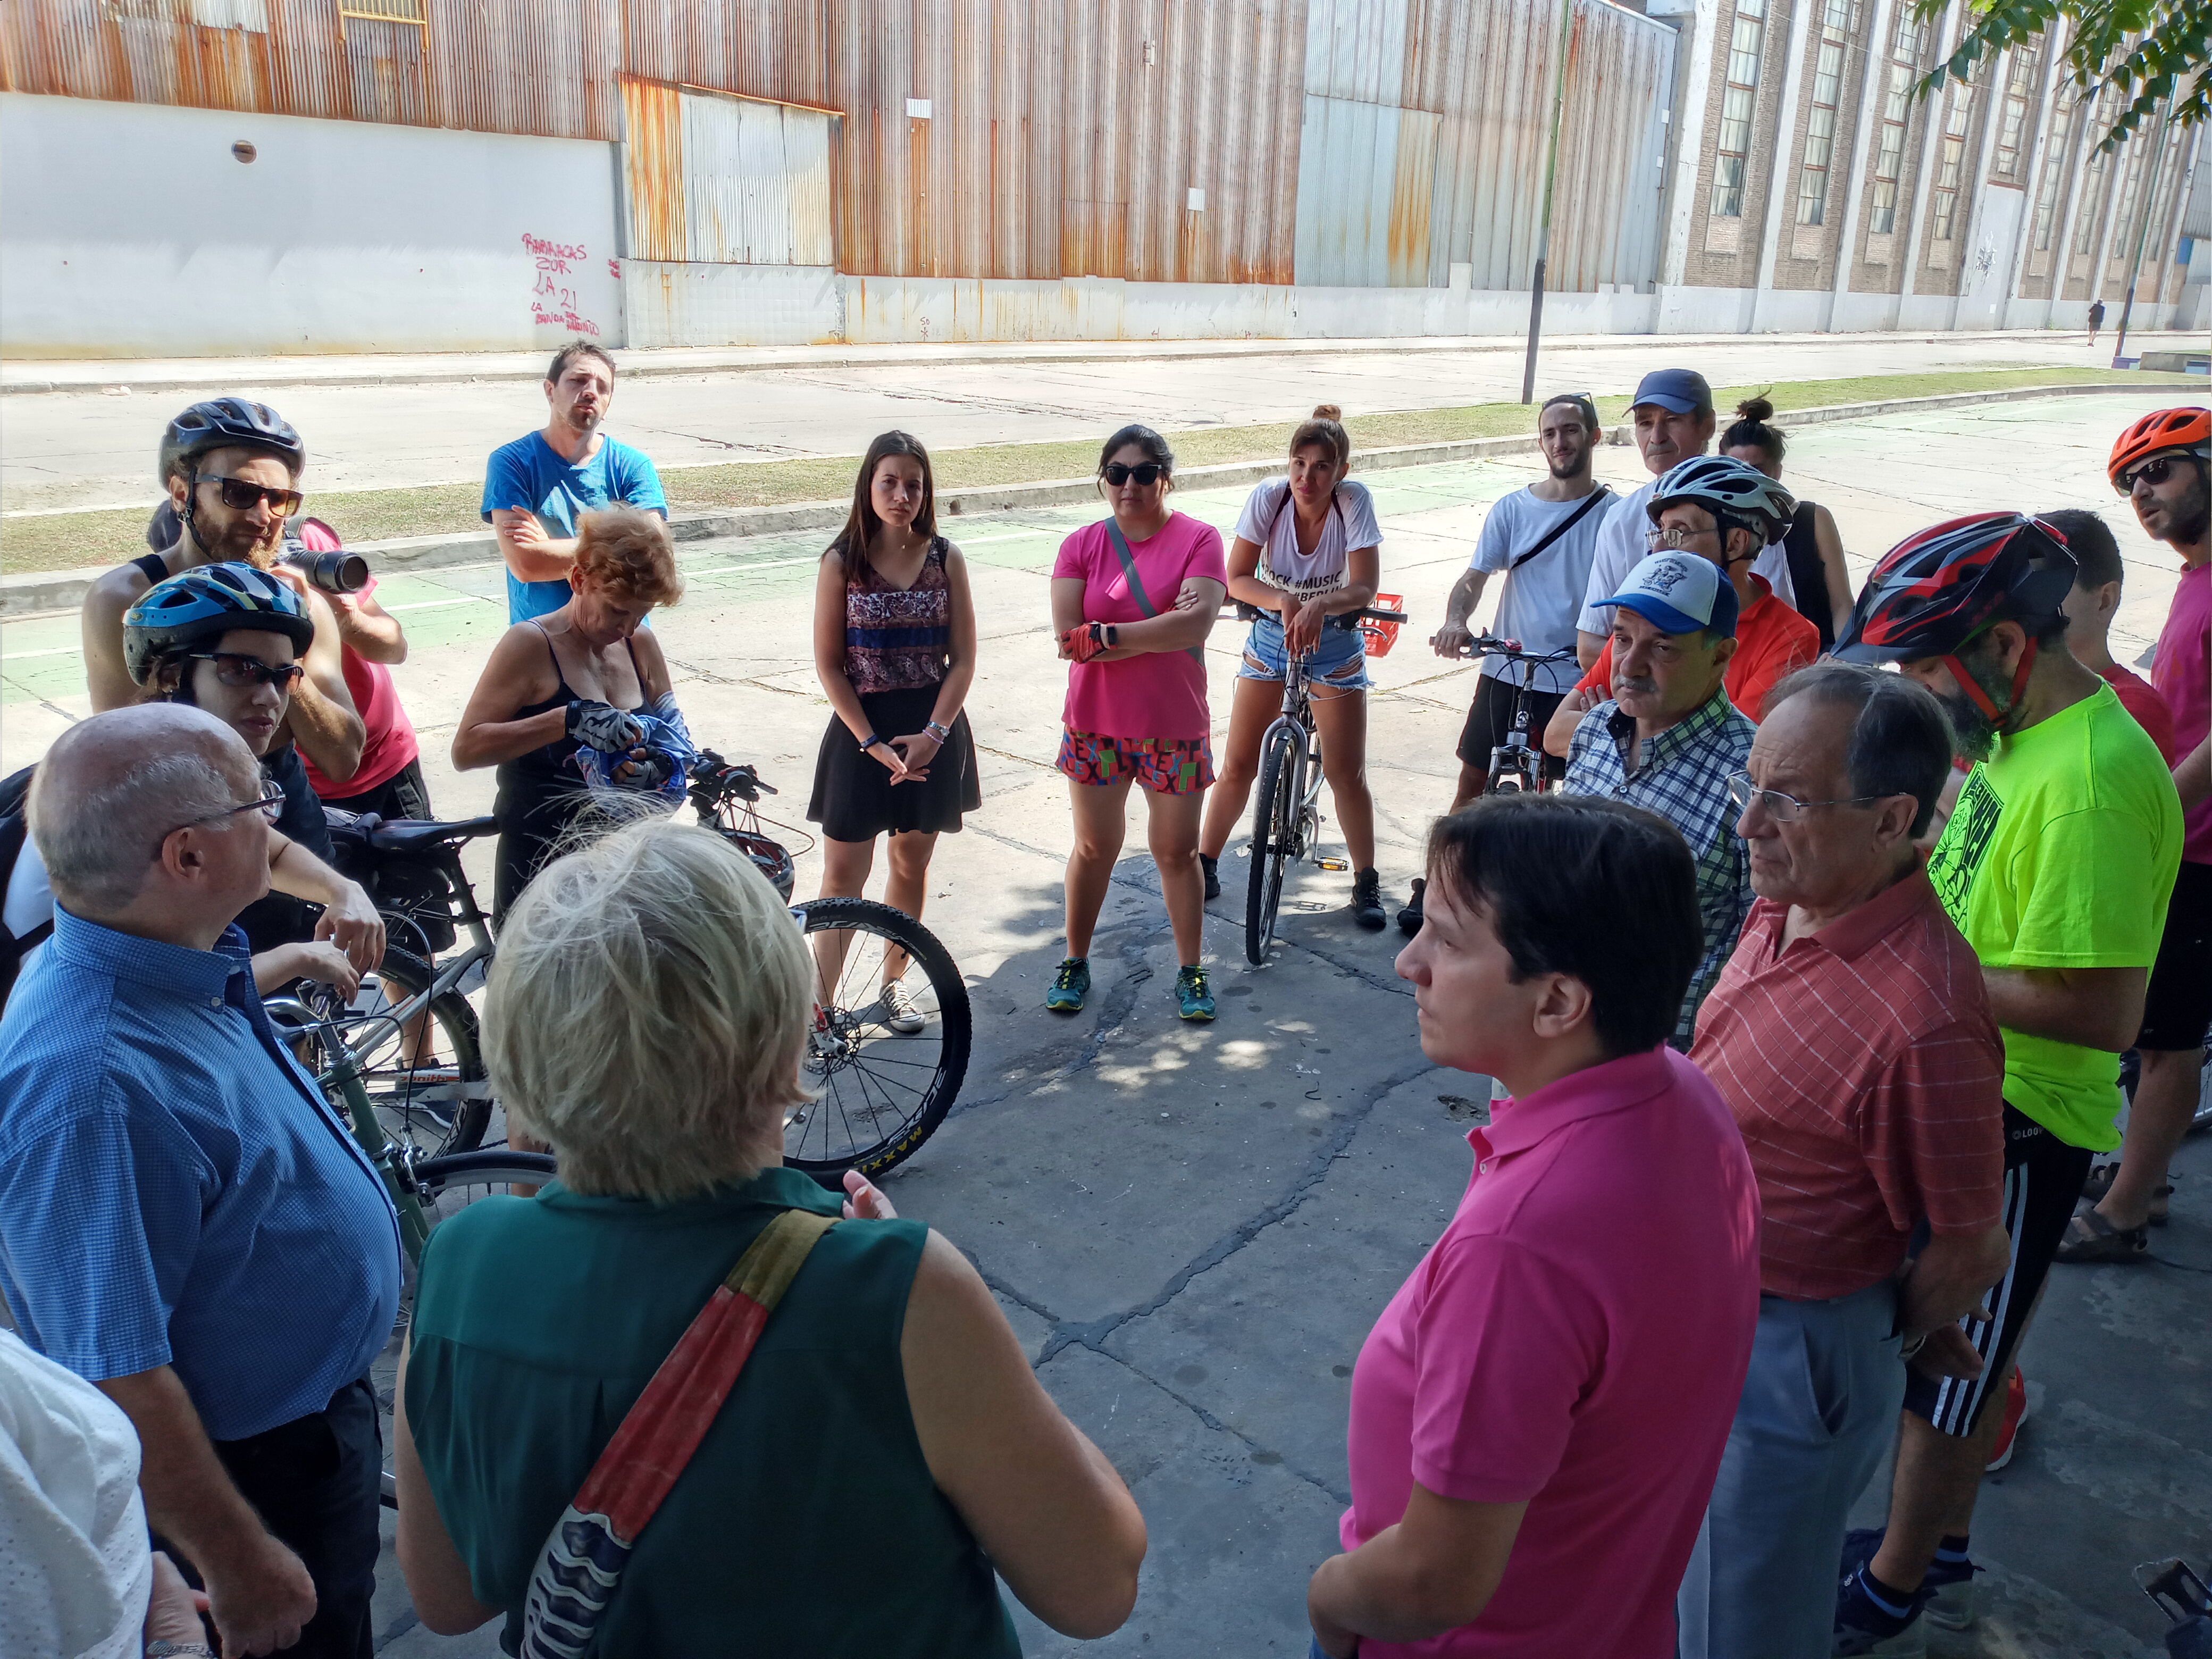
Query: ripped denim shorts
1338, 662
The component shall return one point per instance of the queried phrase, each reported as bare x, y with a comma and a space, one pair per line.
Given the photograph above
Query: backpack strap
1602, 493
1137, 584
581, 1565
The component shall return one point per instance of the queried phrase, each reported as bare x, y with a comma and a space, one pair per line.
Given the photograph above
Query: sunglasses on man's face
2155, 471
1148, 474
239, 496
237, 671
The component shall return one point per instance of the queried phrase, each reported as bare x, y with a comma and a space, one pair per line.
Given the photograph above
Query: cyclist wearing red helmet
2160, 463
2055, 866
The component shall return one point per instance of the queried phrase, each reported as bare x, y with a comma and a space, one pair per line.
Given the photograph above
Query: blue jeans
1818, 1407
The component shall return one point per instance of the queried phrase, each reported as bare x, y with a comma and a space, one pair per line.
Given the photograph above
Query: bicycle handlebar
1492, 644
1341, 619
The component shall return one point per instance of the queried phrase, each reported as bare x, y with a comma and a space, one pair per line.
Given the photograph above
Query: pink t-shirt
1577, 1339
389, 742
2182, 672
1161, 694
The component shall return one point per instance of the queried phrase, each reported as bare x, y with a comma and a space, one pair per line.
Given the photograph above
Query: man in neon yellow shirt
2055, 866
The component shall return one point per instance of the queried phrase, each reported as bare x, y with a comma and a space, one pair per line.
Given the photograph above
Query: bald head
115, 785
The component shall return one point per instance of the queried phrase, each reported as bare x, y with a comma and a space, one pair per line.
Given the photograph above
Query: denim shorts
1338, 660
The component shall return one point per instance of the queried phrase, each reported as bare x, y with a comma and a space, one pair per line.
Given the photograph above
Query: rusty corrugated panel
652, 169
755, 181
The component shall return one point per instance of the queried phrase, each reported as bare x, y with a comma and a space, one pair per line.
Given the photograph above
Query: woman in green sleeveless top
885, 1448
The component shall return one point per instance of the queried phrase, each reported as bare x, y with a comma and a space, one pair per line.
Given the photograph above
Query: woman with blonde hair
1307, 549
579, 698
647, 1015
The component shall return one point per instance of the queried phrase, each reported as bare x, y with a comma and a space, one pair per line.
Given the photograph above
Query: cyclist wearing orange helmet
2160, 463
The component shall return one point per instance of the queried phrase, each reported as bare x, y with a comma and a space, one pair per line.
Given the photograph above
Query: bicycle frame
1296, 717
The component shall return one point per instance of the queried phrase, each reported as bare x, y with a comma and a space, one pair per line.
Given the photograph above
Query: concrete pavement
1192, 1229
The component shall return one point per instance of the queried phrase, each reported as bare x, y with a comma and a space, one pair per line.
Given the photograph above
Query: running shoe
1212, 869
1367, 901
899, 1011
1409, 919
2015, 1414
1070, 985
1863, 1626
1193, 999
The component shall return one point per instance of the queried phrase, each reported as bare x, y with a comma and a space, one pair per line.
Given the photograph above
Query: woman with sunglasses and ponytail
1307, 549
1133, 597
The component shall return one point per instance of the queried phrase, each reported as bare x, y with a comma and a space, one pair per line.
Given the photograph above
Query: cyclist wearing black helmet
2055, 866
232, 469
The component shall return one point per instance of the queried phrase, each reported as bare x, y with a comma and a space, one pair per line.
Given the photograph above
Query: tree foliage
2149, 51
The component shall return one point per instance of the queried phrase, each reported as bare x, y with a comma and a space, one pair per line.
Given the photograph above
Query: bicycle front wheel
886, 1075
1275, 809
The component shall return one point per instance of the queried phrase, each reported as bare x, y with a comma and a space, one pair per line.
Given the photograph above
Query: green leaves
2137, 53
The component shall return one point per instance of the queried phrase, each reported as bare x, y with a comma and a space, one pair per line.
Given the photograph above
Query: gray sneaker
899, 1011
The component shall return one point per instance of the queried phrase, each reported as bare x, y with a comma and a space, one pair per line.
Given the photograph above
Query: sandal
2100, 1183
2091, 1240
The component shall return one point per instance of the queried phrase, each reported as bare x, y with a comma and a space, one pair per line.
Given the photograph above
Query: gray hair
1901, 742
98, 839
647, 1011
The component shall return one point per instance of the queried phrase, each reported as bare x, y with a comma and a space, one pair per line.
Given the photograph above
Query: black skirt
853, 799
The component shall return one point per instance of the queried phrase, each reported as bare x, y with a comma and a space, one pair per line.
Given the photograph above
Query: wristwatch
872, 740
942, 734
179, 1650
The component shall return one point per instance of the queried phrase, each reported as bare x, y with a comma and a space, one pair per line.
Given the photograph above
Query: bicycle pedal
1334, 864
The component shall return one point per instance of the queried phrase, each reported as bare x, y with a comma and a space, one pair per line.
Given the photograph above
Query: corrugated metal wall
1153, 140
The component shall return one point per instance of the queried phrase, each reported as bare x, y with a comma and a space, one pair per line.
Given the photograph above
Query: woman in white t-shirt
1307, 548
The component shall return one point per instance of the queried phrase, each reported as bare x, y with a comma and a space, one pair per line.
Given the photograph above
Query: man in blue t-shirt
536, 487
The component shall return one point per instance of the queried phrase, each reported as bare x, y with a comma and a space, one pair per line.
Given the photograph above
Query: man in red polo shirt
1851, 1036
1536, 1416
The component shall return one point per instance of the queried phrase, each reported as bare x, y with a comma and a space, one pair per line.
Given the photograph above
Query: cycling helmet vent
201, 606
2158, 433
230, 423
1722, 484
1935, 590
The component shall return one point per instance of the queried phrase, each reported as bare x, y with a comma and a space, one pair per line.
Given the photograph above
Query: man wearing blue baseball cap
1668, 738
1673, 418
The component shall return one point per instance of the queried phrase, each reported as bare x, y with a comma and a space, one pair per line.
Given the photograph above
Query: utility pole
2143, 234
1544, 226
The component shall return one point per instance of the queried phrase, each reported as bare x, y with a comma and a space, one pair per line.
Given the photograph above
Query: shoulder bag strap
581, 1565
1137, 584
1602, 493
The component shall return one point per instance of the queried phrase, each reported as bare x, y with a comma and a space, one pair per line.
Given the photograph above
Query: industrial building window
1737, 105
2012, 129
385, 11
2054, 166
1836, 21
1896, 108
2100, 165
1951, 165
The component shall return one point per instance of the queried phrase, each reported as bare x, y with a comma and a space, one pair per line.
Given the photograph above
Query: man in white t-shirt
1674, 418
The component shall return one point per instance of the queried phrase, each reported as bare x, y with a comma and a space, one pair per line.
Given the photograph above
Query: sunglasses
237, 671
239, 497
2155, 471
1149, 473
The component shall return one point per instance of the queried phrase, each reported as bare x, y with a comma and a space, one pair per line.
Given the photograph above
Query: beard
238, 542
1974, 734
2192, 515
1573, 469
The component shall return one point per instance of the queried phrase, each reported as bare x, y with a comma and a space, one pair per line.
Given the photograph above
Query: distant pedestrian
1850, 1037
1812, 544
895, 650
1133, 597
2096, 318
537, 488
1537, 1415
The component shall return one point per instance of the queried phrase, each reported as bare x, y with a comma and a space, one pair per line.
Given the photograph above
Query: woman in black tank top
1813, 546
560, 682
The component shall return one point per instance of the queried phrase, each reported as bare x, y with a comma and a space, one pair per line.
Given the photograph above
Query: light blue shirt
174, 1190
530, 474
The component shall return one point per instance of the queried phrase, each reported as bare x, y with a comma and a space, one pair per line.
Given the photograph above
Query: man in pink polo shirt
1554, 1383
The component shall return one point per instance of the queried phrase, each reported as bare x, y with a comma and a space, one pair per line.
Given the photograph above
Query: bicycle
1286, 809
1517, 765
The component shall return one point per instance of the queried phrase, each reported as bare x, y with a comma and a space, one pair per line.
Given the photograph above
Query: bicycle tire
1274, 832
867, 1117
438, 1109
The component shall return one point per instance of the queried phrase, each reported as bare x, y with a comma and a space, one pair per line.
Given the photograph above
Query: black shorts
1491, 717
402, 795
2043, 1178
2178, 1008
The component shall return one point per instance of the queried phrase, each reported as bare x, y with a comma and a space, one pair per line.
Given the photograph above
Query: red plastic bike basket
1381, 635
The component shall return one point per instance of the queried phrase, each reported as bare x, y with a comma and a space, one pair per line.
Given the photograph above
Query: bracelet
941, 733
872, 740
166, 1649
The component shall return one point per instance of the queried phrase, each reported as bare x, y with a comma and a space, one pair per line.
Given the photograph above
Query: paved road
96, 449
1193, 1229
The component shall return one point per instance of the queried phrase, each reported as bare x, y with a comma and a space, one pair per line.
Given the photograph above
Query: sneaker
1863, 1626
1212, 869
899, 1011
1193, 999
1367, 901
1953, 1589
1069, 986
2015, 1414
1409, 919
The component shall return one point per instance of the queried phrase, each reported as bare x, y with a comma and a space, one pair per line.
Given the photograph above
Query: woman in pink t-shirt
1133, 597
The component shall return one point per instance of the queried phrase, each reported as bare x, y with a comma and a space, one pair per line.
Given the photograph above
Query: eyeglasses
271, 804
1783, 809
239, 496
238, 671
2154, 471
1673, 538
1149, 473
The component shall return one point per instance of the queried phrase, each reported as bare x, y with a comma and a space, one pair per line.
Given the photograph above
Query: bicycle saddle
418, 834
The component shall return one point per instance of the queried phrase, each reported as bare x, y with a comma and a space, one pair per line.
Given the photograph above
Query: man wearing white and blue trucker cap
1668, 738
1674, 420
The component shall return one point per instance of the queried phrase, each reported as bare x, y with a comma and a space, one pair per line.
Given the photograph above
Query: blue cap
1679, 593
1682, 390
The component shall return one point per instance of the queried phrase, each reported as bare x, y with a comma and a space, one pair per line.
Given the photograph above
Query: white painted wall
128, 230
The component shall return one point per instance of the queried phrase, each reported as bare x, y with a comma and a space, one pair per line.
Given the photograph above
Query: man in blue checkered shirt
1668, 738
183, 1220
